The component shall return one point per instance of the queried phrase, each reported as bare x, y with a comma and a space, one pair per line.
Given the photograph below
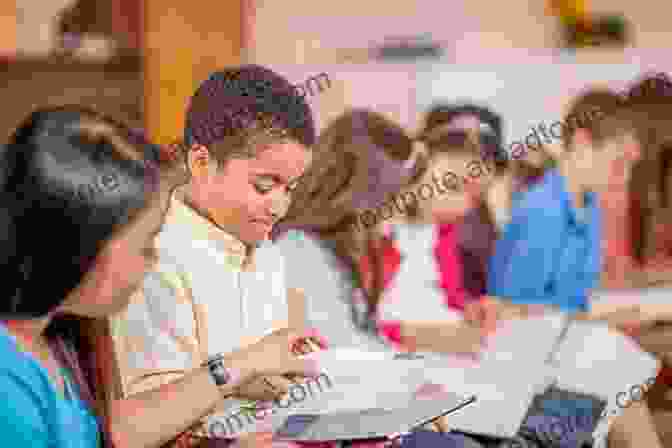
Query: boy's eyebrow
277, 178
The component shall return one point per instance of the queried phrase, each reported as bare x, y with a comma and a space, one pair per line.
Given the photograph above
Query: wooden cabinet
114, 89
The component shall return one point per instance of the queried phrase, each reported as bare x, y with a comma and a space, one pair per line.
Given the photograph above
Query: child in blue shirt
550, 251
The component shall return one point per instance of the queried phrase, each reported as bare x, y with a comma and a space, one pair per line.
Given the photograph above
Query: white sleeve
155, 337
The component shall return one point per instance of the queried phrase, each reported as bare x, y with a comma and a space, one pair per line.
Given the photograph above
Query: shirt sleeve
23, 420
537, 261
156, 337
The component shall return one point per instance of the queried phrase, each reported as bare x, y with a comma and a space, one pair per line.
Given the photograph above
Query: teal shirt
33, 412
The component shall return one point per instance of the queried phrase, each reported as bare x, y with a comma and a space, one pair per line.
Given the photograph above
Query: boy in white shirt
217, 286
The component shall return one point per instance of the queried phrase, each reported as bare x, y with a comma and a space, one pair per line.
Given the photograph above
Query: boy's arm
441, 337
155, 337
157, 347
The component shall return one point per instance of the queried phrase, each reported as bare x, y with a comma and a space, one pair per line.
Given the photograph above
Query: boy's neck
188, 199
574, 182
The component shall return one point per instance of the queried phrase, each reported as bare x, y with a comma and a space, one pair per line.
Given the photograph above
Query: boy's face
612, 161
246, 197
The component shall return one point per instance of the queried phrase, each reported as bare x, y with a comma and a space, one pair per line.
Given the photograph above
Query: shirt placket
242, 294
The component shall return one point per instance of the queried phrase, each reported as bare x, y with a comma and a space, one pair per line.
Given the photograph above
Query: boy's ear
200, 160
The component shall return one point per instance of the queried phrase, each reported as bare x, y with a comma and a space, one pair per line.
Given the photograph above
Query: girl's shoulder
21, 378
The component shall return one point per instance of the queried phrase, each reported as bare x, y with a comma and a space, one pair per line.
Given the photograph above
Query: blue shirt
549, 253
33, 412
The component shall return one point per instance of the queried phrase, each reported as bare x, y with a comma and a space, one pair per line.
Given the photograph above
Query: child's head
81, 204
248, 133
361, 158
450, 124
464, 149
457, 175
601, 142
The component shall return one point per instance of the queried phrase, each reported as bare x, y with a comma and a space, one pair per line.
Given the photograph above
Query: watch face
219, 373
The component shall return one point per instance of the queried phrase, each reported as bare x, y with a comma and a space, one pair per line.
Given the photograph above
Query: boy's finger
301, 367
277, 384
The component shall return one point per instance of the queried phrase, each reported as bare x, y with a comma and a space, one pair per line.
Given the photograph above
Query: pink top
450, 267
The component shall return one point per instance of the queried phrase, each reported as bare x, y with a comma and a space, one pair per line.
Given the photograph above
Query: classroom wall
517, 32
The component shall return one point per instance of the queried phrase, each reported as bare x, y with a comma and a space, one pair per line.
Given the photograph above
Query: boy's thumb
303, 367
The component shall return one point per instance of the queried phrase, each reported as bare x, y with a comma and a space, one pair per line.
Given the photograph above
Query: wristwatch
221, 374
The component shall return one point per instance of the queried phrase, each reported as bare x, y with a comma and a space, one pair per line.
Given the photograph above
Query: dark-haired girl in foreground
80, 206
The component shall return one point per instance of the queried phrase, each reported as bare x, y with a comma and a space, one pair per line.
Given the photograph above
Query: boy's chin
252, 238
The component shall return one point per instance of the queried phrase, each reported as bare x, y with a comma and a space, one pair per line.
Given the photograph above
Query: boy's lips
264, 222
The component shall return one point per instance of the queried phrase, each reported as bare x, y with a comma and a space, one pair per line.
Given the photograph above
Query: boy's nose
634, 152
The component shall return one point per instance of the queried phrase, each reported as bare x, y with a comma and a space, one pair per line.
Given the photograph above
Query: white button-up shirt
205, 296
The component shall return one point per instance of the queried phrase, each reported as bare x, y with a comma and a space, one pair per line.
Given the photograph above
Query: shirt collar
203, 228
559, 185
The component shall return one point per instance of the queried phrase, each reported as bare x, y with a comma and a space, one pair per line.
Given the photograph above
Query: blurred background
140, 60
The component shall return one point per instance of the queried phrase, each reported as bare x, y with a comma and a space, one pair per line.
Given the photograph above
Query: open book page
504, 394
505, 377
602, 362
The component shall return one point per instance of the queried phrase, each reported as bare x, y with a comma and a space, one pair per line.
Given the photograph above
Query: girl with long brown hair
344, 265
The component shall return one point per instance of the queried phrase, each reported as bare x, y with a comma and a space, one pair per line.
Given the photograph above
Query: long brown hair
325, 201
648, 184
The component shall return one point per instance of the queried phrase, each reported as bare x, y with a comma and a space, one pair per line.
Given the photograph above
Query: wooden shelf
122, 64
113, 88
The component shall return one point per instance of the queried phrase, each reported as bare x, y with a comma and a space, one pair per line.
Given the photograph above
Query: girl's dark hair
69, 179
443, 114
650, 88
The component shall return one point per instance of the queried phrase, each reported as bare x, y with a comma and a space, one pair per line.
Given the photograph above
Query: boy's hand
266, 388
272, 356
484, 313
448, 338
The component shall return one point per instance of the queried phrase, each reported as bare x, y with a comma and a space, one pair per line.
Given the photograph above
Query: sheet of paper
595, 359
598, 360
504, 391
526, 341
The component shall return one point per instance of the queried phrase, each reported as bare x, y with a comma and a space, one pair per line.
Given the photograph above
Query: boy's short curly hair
238, 107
